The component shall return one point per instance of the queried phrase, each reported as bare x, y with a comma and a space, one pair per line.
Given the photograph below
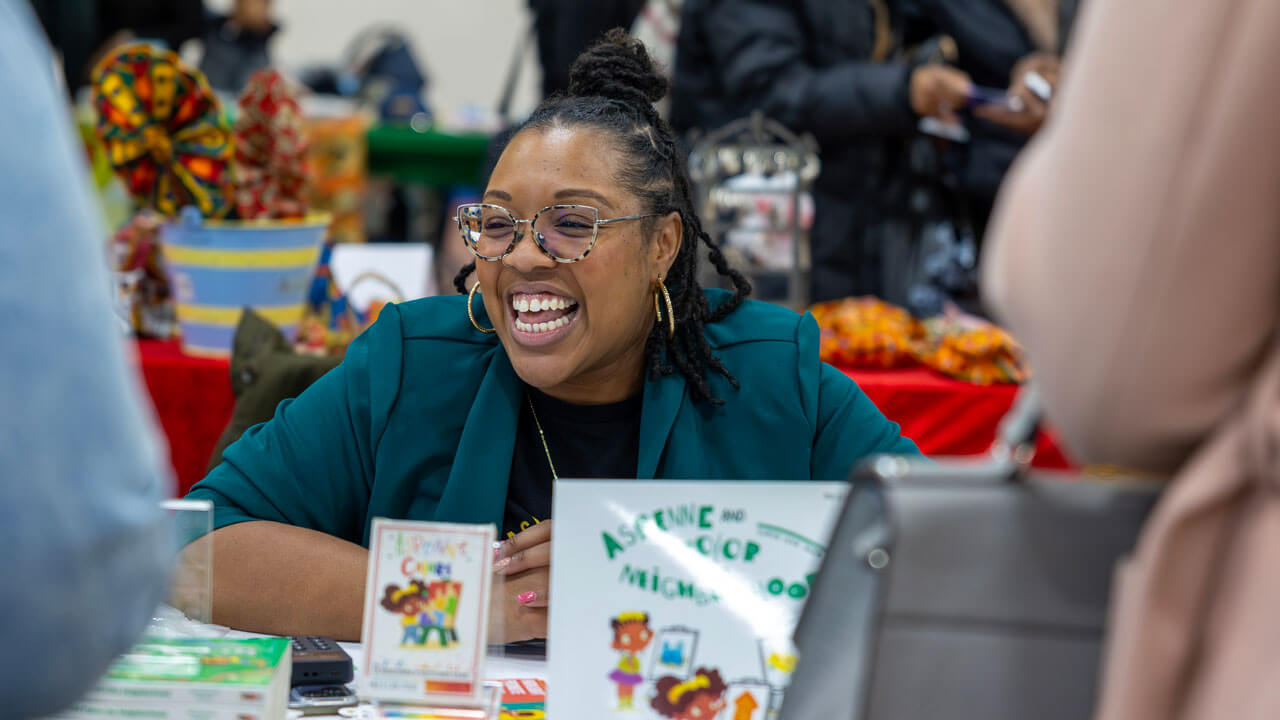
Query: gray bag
965, 590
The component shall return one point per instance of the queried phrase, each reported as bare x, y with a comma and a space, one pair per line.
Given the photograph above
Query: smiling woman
582, 347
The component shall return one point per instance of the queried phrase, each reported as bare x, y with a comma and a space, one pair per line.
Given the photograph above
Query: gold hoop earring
671, 313
475, 289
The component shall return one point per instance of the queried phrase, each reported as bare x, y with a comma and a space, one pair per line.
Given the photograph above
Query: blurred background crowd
916, 108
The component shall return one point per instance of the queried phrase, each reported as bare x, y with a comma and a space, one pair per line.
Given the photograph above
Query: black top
565, 28
585, 441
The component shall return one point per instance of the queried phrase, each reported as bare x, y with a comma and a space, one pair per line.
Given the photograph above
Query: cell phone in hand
947, 131
979, 96
319, 660
1038, 86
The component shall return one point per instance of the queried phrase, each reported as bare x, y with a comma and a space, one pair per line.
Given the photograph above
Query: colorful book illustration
693, 590
676, 647
239, 679
523, 699
426, 613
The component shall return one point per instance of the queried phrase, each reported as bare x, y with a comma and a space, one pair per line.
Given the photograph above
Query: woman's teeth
538, 305
542, 312
542, 327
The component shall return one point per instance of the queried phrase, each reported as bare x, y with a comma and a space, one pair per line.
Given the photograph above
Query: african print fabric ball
270, 155
163, 130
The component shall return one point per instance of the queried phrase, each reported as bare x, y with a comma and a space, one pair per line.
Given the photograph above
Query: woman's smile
540, 316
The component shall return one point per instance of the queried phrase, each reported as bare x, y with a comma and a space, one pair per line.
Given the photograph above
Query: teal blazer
419, 422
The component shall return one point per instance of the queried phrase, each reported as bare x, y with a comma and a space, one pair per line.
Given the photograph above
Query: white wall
467, 45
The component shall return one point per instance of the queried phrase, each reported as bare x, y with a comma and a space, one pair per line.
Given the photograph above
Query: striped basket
219, 267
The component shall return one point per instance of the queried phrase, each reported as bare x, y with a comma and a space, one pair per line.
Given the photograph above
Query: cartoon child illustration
409, 601
631, 634
440, 611
701, 697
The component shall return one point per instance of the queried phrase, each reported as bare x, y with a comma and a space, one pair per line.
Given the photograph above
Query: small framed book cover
426, 613
678, 600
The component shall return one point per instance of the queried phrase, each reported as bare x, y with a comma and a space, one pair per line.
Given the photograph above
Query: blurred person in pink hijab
1136, 253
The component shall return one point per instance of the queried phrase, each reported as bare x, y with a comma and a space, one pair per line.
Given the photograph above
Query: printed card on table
426, 612
679, 599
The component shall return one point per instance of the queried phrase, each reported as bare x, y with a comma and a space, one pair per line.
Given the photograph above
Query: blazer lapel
477, 487
662, 401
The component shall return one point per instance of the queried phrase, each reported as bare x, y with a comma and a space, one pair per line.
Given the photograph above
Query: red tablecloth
945, 417
193, 400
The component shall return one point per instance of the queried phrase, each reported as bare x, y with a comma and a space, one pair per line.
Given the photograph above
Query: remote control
320, 660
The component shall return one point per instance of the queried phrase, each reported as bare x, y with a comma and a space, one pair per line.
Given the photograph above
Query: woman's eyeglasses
564, 233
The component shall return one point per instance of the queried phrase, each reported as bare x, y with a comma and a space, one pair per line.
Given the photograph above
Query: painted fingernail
527, 597
500, 565
497, 550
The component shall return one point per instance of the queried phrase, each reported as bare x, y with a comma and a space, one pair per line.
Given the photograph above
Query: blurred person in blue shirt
81, 475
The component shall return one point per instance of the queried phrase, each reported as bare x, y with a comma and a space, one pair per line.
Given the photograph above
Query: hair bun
617, 67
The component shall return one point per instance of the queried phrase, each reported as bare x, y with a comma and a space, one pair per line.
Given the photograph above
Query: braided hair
612, 87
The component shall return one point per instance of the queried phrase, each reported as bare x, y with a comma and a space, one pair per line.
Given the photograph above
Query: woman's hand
1034, 108
522, 570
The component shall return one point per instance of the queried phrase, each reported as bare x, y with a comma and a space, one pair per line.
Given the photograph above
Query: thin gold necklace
543, 436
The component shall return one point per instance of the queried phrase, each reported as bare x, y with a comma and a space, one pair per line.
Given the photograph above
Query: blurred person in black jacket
823, 67
82, 31
997, 43
236, 45
565, 28
839, 69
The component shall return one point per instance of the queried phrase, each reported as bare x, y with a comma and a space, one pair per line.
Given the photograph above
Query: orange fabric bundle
872, 334
866, 333
972, 350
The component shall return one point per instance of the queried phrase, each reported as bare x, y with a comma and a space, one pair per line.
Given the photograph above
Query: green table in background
437, 159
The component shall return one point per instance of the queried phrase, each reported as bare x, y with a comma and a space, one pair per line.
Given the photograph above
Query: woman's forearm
286, 580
